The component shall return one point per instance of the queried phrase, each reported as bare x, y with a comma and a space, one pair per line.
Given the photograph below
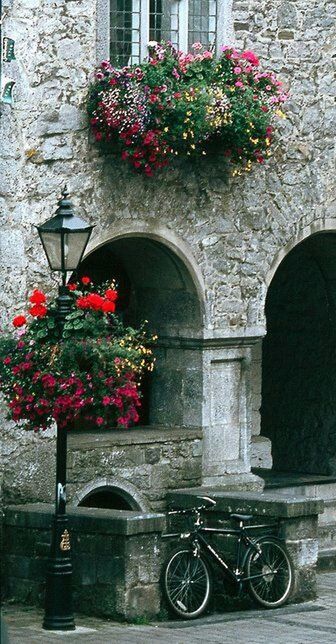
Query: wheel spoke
187, 584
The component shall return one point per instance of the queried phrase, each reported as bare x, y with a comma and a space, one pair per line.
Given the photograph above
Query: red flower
72, 287
38, 311
111, 295
108, 306
86, 280
82, 303
95, 301
20, 320
251, 58
37, 297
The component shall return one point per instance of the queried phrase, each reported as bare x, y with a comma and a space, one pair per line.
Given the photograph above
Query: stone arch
116, 486
298, 407
159, 280
165, 237
317, 227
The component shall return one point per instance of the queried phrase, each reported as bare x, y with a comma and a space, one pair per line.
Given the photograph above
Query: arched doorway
155, 285
298, 411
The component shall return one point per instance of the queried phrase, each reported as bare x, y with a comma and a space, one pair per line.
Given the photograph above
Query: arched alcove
298, 411
155, 285
109, 497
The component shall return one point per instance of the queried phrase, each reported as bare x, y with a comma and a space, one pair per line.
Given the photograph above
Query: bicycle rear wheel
271, 572
187, 584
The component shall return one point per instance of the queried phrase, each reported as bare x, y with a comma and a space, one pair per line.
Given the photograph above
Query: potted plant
186, 105
92, 376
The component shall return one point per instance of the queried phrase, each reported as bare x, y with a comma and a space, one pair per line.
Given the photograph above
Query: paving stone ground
309, 623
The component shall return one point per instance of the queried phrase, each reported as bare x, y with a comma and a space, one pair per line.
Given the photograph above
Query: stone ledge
95, 520
86, 439
259, 504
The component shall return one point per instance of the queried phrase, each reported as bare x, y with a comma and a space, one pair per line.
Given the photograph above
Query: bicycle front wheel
270, 572
187, 584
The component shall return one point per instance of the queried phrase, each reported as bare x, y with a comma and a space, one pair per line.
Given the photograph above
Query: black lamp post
64, 238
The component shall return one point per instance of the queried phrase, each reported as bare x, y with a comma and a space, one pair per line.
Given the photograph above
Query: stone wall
116, 559
230, 233
118, 556
144, 463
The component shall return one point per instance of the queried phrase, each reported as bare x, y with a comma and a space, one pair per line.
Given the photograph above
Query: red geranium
86, 280
111, 295
38, 310
108, 306
20, 320
37, 297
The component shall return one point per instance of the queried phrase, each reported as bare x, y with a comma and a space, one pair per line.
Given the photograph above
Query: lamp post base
58, 601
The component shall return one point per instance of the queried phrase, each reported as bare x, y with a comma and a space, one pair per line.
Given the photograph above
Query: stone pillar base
235, 482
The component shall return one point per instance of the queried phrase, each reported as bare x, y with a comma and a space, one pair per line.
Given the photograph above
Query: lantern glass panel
74, 244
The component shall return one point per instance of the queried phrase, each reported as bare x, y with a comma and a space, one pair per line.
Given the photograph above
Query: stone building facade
213, 263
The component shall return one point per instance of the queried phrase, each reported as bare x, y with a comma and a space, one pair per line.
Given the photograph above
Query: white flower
152, 43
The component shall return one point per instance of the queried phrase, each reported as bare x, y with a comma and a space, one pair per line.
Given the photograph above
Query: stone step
329, 515
326, 559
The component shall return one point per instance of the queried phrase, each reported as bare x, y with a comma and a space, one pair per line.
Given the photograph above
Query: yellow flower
184, 135
281, 114
166, 129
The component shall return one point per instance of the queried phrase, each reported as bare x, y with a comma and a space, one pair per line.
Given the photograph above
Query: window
134, 23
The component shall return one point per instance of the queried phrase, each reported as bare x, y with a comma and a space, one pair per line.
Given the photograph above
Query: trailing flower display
91, 374
178, 104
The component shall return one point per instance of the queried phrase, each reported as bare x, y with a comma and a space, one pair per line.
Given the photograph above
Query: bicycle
262, 564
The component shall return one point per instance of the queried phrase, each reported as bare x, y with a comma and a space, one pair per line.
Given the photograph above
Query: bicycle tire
187, 583
272, 572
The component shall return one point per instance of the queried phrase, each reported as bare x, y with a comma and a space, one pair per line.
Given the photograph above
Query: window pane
162, 13
124, 32
202, 22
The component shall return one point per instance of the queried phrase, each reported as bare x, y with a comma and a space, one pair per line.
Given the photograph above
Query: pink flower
175, 73
237, 70
106, 400
207, 54
99, 420
239, 84
250, 57
99, 75
197, 46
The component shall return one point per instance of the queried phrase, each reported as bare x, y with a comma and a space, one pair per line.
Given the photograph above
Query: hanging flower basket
186, 105
91, 374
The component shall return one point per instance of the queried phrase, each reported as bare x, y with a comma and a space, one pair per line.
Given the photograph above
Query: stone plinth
116, 559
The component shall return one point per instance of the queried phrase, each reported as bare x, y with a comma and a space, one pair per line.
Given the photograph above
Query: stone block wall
144, 463
116, 559
118, 555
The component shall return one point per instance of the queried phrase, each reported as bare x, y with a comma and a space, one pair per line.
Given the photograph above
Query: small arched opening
154, 284
298, 411
109, 497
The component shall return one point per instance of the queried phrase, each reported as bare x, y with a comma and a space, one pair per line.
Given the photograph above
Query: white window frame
224, 27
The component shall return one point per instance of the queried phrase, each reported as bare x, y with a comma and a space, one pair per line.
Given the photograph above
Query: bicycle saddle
241, 517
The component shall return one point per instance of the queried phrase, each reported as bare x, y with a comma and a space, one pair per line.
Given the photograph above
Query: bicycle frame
244, 542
